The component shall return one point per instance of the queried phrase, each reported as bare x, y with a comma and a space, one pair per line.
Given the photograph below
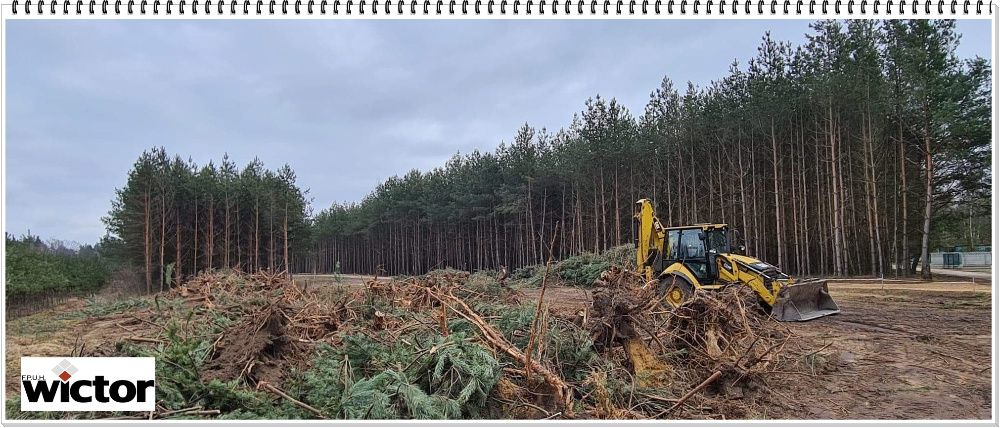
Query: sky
345, 103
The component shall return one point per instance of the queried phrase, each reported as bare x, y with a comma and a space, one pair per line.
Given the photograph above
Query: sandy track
900, 355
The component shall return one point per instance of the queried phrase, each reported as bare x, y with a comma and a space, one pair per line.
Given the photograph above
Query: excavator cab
697, 248
709, 256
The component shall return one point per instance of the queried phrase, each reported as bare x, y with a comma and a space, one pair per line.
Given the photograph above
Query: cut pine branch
498, 342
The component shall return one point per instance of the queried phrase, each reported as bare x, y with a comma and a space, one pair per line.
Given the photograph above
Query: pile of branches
622, 305
271, 324
731, 331
390, 350
719, 346
223, 335
449, 344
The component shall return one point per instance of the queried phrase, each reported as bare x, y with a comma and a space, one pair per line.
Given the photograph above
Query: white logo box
66, 383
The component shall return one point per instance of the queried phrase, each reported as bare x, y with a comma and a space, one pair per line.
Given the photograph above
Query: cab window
716, 240
691, 246
672, 238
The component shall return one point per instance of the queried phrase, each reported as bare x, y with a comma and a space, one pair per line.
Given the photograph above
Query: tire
674, 290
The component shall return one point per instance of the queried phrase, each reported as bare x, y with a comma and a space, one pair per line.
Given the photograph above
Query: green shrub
526, 272
239, 402
622, 255
33, 269
582, 269
574, 350
484, 282
13, 410
446, 378
99, 309
514, 322
449, 271
178, 362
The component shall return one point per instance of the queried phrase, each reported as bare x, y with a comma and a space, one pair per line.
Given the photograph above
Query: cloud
344, 103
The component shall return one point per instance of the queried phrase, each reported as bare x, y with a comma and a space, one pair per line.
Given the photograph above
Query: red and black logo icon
64, 370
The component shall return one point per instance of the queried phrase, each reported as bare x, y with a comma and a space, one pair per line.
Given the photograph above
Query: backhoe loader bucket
804, 301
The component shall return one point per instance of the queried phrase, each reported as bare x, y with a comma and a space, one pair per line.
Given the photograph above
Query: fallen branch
194, 413
524, 404
171, 412
820, 350
715, 376
536, 322
144, 339
498, 342
767, 351
125, 328
275, 390
658, 398
149, 322
552, 415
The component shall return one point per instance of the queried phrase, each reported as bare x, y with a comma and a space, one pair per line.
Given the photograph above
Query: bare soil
49, 333
902, 351
322, 280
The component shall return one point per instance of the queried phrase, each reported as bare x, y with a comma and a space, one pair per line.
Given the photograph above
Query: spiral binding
505, 7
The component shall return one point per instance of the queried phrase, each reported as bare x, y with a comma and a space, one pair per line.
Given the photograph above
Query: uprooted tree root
719, 345
450, 345
727, 332
225, 328
271, 323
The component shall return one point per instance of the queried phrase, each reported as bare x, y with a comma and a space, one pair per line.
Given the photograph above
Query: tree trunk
834, 182
618, 219
195, 236
742, 172
905, 190
211, 230
147, 251
256, 234
163, 237
288, 269
226, 257
925, 269
779, 232
177, 260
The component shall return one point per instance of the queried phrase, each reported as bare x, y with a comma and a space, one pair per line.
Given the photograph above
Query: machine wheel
674, 290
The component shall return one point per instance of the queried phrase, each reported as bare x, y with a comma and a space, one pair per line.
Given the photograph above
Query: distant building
963, 257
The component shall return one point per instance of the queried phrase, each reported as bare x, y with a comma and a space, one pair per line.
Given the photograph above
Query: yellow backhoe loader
708, 256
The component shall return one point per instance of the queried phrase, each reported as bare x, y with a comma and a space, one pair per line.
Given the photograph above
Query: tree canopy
822, 153
855, 152
175, 218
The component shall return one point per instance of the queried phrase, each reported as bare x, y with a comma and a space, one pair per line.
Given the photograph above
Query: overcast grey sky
345, 103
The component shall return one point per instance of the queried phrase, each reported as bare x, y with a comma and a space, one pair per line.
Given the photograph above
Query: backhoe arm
649, 237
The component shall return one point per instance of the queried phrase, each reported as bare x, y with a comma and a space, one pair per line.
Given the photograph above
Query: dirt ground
897, 354
53, 332
331, 280
899, 351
